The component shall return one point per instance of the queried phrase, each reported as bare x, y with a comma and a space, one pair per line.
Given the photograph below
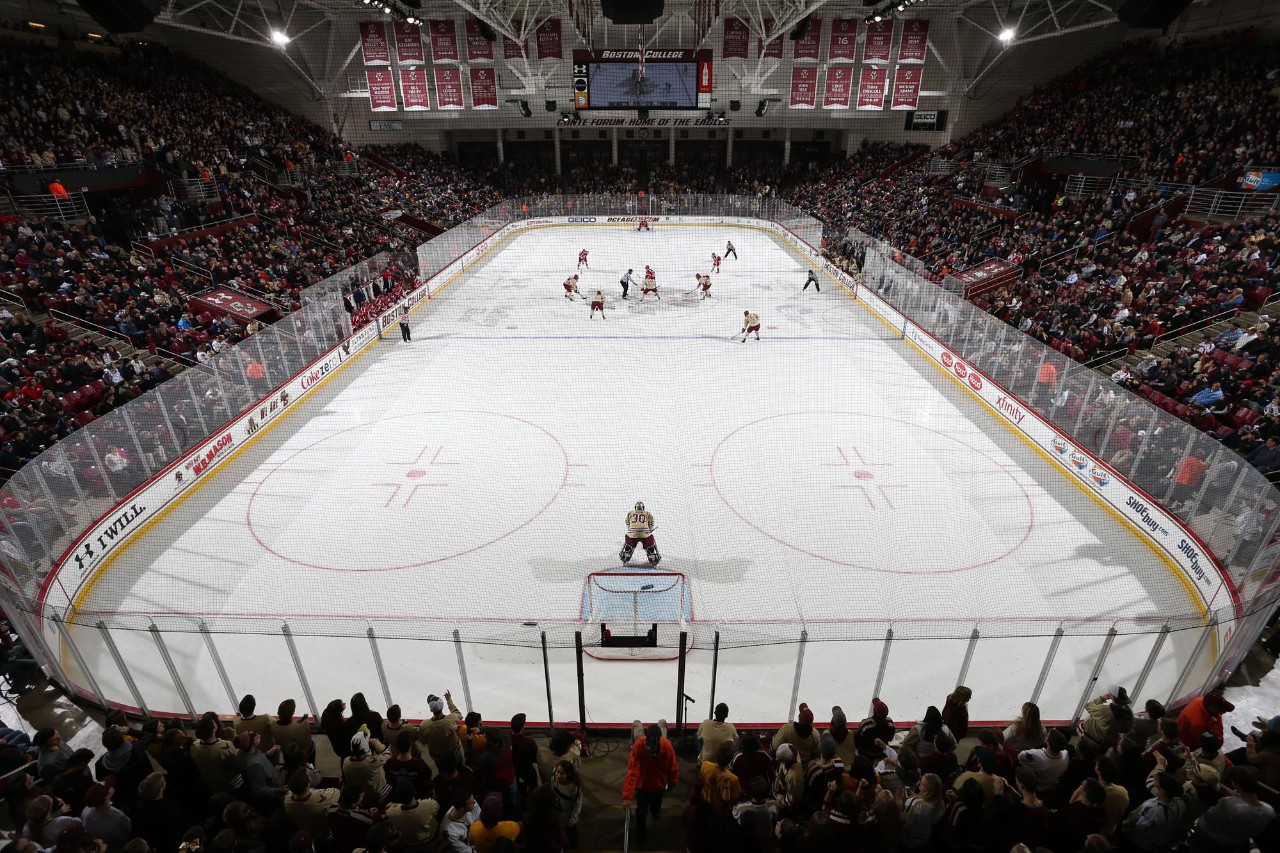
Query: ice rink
824, 479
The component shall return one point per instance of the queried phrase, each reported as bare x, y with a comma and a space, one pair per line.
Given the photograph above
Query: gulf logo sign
1079, 460
1059, 444
1099, 477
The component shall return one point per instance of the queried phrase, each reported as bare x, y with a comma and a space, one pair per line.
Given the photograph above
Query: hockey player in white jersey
640, 527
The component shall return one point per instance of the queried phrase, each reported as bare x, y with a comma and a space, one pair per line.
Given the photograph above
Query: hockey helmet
639, 505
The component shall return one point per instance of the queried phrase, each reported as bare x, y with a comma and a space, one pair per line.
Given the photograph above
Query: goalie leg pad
625, 554
654, 556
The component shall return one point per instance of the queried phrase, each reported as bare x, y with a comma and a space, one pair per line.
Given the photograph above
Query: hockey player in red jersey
582, 260
715, 262
650, 284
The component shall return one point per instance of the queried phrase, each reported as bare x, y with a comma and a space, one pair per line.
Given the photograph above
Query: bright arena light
1007, 34
279, 38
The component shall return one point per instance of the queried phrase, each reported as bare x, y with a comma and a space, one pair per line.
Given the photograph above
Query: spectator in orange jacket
652, 770
1203, 714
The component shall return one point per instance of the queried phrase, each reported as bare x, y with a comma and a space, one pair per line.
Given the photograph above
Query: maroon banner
513, 49
408, 43
228, 300
915, 42
449, 88
771, 49
844, 40
413, 89
444, 41
737, 37
804, 88
879, 42
484, 89
871, 88
479, 48
806, 49
839, 85
382, 89
373, 42
549, 46
906, 88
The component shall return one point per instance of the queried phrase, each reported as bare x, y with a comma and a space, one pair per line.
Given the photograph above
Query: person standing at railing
652, 770
61, 198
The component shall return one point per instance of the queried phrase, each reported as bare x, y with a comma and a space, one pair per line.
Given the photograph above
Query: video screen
616, 85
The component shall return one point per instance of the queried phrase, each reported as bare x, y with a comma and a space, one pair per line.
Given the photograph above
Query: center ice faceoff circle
872, 492
410, 490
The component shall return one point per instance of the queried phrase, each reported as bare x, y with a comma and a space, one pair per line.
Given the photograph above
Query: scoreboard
672, 80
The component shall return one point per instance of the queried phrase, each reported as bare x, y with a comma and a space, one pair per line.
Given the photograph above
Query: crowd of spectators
1120, 778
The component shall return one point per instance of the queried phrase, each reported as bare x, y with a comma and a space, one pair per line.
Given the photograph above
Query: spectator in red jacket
1203, 714
652, 770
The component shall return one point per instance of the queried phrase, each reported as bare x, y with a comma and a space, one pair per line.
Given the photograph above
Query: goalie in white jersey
640, 529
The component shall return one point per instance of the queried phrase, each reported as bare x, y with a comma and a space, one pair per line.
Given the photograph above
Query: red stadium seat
86, 418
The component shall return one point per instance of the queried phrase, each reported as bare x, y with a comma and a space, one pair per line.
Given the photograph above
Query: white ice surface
824, 479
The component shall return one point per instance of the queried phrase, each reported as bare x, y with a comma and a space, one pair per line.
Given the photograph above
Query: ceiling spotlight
902, 7
1007, 34
279, 38
877, 18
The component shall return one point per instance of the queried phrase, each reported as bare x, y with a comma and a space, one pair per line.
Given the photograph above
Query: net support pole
79, 658
462, 669
680, 673
884, 666
1048, 663
582, 692
173, 670
302, 673
1208, 631
715, 669
1090, 685
217, 663
795, 683
110, 643
546, 674
968, 656
377, 662
1150, 663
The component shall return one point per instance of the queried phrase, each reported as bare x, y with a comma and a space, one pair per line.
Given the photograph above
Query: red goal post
631, 603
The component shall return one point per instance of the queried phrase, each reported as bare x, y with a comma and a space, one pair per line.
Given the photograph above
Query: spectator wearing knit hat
440, 733
713, 732
800, 734
103, 820
364, 769
877, 727
840, 733
788, 781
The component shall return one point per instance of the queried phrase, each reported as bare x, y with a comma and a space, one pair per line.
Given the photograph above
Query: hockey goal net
631, 603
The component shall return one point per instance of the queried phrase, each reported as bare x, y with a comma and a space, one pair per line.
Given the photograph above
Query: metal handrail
90, 326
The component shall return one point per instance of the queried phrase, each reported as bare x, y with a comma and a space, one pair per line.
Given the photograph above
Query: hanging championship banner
444, 41
906, 88
807, 47
484, 89
413, 89
479, 48
737, 38
449, 88
915, 42
549, 40
373, 43
843, 46
771, 49
839, 85
408, 43
871, 88
804, 88
879, 42
382, 90
513, 49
